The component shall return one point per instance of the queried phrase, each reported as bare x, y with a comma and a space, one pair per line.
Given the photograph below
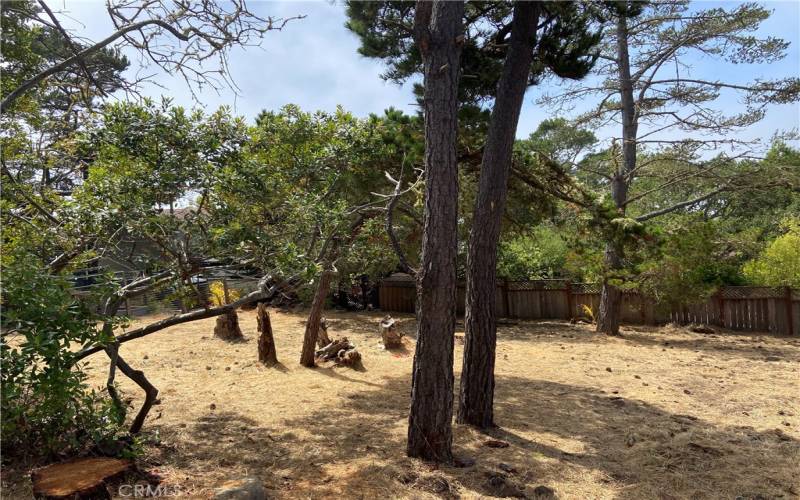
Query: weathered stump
266, 343
83, 478
322, 335
391, 337
227, 327
351, 358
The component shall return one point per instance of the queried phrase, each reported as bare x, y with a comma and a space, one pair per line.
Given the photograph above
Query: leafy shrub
779, 263
217, 292
47, 406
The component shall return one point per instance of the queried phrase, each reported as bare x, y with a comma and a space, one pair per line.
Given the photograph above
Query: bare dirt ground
660, 413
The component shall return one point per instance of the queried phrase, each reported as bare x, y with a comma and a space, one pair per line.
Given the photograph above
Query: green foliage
779, 263
47, 406
565, 41
692, 259
541, 253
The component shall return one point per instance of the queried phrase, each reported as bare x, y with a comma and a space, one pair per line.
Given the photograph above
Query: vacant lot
660, 413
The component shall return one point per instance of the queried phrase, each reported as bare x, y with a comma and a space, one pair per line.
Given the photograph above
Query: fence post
506, 308
789, 312
570, 312
721, 304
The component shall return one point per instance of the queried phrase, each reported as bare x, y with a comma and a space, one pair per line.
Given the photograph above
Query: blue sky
314, 63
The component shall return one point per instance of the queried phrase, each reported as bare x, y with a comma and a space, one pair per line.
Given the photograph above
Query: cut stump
391, 337
266, 342
322, 335
227, 327
83, 478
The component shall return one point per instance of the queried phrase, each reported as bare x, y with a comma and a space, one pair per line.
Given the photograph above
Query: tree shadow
637, 449
225, 445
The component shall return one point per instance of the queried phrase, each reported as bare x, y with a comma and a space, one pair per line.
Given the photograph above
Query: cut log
391, 337
340, 351
351, 358
227, 327
331, 351
267, 353
83, 478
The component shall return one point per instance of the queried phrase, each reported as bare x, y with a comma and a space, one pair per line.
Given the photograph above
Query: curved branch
195, 315
678, 206
80, 56
401, 255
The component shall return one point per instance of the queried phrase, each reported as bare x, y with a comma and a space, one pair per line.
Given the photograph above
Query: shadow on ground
554, 431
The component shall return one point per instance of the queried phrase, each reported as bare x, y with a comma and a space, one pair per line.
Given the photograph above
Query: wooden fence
766, 309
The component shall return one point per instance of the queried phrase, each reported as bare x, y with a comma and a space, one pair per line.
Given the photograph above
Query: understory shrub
48, 408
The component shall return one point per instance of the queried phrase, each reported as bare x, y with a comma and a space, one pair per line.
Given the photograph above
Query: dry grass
660, 413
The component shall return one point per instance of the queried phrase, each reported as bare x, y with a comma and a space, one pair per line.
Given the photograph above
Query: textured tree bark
227, 327
267, 353
314, 317
477, 376
438, 32
608, 319
610, 313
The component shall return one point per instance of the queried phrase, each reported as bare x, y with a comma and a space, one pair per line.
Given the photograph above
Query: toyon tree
647, 86
81, 185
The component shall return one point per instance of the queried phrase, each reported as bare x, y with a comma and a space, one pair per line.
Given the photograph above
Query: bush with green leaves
779, 263
48, 408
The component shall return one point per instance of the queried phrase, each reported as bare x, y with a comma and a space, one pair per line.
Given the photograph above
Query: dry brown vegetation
659, 413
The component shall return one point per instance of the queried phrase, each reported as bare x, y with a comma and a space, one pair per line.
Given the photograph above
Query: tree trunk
438, 32
477, 376
266, 343
227, 327
314, 317
608, 319
610, 314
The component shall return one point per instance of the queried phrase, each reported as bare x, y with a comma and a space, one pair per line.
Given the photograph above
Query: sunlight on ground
660, 413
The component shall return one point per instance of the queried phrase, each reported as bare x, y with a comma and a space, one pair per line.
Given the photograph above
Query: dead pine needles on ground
658, 413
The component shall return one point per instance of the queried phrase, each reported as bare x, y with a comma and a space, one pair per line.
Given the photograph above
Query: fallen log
331, 351
83, 478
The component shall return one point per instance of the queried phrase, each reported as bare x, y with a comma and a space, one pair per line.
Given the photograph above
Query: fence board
737, 308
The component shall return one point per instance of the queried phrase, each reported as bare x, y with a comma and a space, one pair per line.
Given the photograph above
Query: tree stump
266, 343
83, 478
391, 337
322, 335
227, 327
